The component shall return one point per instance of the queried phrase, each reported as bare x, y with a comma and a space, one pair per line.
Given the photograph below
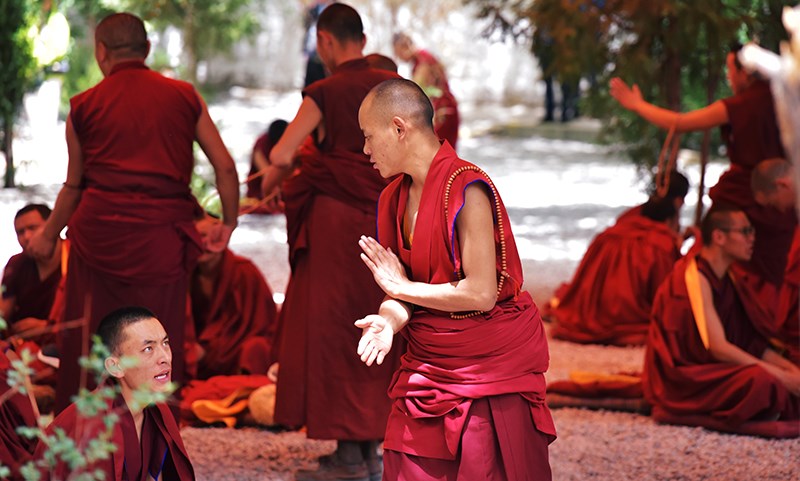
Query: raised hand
376, 339
386, 268
218, 237
40, 246
627, 97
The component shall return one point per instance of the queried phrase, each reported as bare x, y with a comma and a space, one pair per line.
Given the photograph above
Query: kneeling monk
469, 396
708, 361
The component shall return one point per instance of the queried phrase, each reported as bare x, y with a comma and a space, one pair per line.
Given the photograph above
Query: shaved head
766, 174
123, 35
343, 22
400, 98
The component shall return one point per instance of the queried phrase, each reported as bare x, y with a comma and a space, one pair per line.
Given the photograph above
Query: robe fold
322, 382
752, 135
788, 317
455, 362
611, 294
133, 240
161, 441
240, 311
16, 411
685, 384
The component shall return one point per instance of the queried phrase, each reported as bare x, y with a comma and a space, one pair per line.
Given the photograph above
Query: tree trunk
8, 141
671, 69
713, 69
189, 45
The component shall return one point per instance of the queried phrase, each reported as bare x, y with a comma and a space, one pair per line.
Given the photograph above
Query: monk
773, 185
469, 396
429, 73
750, 131
338, 191
708, 360
127, 200
610, 297
233, 311
147, 439
16, 410
29, 283
259, 157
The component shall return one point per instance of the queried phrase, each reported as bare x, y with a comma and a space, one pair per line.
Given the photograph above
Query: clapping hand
627, 97
386, 268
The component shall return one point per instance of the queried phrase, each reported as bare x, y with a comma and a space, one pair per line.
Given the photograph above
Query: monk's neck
718, 262
210, 268
46, 267
421, 161
137, 414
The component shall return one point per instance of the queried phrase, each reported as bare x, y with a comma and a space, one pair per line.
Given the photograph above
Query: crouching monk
708, 360
148, 441
470, 390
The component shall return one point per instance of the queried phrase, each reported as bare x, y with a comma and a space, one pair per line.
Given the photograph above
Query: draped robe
465, 366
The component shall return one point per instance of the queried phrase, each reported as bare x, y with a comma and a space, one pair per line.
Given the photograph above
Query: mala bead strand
503, 263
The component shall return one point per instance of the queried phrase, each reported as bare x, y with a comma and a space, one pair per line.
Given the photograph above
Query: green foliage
673, 49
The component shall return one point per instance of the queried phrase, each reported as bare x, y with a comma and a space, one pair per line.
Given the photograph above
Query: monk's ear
400, 126
113, 368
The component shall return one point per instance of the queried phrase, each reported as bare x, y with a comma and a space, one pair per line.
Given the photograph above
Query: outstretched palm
376, 339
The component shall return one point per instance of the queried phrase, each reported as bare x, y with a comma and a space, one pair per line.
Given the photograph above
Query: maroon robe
751, 136
263, 145
33, 296
464, 368
445, 106
611, 294
686, 385
160, 446
133, 236
330, 288
788, 317
16, 411
240, 313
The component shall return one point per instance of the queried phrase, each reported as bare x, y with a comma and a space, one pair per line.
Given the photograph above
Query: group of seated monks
717, 355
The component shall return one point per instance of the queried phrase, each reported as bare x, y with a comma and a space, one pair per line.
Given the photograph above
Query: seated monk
233, 311
259, 158
30, 284
148, 441
609, 299
15, 410
708, 361
773, 185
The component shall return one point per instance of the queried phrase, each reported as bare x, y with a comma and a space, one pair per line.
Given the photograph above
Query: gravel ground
591, 445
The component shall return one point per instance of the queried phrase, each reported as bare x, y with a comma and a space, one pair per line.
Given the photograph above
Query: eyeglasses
745, 231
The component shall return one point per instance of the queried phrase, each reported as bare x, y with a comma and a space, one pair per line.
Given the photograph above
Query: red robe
611, 294
33, 296
239, 314
133, 236
263, 145
463, 365
160, 441
16, 411
686, 385
788, 317
751, 136
330, 287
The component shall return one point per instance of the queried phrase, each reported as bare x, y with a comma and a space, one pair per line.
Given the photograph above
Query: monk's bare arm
477, 291
224, 168
708, 117
724, 351
43, 242
281, 158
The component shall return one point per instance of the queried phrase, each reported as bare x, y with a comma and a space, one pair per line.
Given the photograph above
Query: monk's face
147, 343
26, 225
738, 237
380, 141
204, 227
403, 51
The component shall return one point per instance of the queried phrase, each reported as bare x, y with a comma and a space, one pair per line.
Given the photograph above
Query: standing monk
322, 385
750, 131
127, 200
773, 185
708, 360
429, 73
469, 397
